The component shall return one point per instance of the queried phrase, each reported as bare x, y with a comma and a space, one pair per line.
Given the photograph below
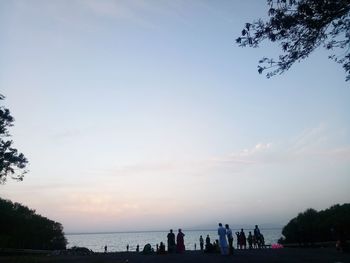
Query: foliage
311, 226
80, 251
12, 163
300, 26
21, 227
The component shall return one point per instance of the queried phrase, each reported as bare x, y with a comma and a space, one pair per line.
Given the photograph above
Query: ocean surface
118, 241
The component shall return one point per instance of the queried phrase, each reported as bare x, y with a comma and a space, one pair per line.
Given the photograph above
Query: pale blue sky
147, 115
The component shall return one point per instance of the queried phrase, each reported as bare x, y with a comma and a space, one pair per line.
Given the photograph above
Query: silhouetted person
255, 242
256, 231
127, 248
208, 245
257, 236
243, 242
216, 246
238, 240
250, 240
137, 248
105, 249
207, 240
201, 242
180, 244
262, 241
229, 238
147, 249
171, 241
161, 249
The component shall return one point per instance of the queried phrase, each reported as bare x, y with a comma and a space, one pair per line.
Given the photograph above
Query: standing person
207, 240
238, 240
201, 242
127, 248
262, 240
229, 238
243, 239
250, 240
180, 246
255, 242
105, 248
222, 239
256, 231
207, 244
257, 235
171, 241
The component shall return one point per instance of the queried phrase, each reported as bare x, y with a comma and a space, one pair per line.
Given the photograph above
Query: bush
21, 227
311, 226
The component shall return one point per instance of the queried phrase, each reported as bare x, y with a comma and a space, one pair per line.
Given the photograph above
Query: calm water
119, 241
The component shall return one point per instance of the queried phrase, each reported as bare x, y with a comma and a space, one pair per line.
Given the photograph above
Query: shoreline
285, 255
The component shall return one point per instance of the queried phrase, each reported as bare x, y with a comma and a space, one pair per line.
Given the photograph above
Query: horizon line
148, 231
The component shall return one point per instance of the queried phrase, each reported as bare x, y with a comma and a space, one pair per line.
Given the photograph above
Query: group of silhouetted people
175, 244
255, 240
209, 247
179, 245
225, 240
223, 245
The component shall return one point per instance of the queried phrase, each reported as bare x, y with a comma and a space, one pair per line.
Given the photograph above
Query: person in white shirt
222, 240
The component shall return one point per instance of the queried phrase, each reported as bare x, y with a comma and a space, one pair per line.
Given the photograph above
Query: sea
118, 241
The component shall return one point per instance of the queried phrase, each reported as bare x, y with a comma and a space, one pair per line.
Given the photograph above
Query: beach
118, 241
286, 255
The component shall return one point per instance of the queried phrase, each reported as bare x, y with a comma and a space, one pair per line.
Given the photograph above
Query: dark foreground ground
286, 255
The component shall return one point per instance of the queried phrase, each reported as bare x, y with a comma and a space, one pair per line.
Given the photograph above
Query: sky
145, 115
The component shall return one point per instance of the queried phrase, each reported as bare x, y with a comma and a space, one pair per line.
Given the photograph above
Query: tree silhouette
12, 163
301, 26
21, 227
311, 226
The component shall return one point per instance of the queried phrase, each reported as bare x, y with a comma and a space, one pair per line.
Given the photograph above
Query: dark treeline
332, 224
21, 227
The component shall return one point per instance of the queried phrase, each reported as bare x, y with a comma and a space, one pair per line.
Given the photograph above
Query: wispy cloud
258, 148
97, 203
311, 138
313, 142
115, 9
141, 13
67, 134
320, 141
87, 15
233, 162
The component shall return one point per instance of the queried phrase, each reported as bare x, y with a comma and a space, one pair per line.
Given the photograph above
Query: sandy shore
286, 255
